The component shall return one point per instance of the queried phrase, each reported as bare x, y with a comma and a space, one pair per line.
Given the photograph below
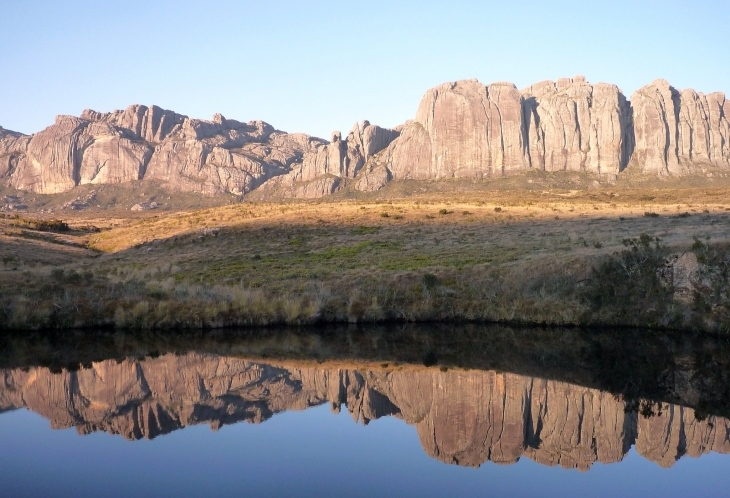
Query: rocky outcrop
575, 126
409, 156
323, 169
677, 131
12, 148
461, 129
184, 154
687, 277
151, 124
472, 130
461, 417
373, 179
363, 142
469, 129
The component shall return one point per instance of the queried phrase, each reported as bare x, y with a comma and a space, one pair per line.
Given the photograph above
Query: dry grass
503, 255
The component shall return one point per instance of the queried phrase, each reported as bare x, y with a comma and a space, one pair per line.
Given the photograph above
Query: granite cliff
461, 417
461, 129
191, 155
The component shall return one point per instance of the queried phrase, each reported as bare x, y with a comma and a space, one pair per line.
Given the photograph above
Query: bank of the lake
580, 258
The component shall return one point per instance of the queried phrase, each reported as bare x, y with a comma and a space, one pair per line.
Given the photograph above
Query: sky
315, 67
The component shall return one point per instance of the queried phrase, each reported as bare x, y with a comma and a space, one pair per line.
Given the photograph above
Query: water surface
351, 412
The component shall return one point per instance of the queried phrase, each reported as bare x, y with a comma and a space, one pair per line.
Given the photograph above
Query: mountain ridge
465, 418
462, 129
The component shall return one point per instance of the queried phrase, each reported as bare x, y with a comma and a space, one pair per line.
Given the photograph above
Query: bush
624, 289
429, 359
43, 225
430, 281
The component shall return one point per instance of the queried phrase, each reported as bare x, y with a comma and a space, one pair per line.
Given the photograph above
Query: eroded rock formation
468, 129
322, 169
462, 417
461, 129
676, 131
185, 154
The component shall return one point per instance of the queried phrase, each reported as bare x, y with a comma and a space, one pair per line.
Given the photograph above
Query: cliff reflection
465, 417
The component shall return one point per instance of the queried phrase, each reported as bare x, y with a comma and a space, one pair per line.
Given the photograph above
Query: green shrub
430, 281
625, 289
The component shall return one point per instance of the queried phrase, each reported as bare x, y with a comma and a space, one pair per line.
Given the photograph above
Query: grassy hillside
495, 252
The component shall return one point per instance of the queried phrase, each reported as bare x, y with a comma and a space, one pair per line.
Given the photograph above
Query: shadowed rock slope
461, 129
462, 417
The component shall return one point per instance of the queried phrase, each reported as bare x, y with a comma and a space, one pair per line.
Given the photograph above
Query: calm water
346, 412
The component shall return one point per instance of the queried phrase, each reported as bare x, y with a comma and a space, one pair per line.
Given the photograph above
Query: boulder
144, 206
686, 276
685, 273
373, 180
318, 187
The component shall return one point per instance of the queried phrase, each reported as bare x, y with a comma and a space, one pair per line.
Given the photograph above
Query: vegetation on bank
562, 259
643, 369
621, 289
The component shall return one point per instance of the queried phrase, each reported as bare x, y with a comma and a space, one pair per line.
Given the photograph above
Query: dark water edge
643, 367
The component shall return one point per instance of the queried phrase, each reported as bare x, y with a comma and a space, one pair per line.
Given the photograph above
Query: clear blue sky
319, 66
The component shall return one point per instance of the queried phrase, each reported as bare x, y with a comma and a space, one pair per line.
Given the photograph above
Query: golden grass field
486, 254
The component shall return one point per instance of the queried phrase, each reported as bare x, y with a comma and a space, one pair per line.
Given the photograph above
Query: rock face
472, 130
676, 131
461, 417
322, 170
686, 276
461, 129
11, 145
185, 154
575, 126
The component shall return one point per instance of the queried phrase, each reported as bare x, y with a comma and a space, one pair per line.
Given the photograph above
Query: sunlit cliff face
462, 417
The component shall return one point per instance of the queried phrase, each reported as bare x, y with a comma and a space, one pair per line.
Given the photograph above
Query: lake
347, 411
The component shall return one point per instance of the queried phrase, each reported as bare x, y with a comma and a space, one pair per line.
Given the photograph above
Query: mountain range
461, 129
461, 417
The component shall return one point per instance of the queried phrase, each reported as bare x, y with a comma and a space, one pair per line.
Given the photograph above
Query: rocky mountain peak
461, 417
461, 129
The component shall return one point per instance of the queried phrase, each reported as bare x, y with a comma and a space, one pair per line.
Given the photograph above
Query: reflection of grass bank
256, 264
689, 369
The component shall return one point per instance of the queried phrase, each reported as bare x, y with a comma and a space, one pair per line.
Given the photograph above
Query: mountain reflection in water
463, 415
